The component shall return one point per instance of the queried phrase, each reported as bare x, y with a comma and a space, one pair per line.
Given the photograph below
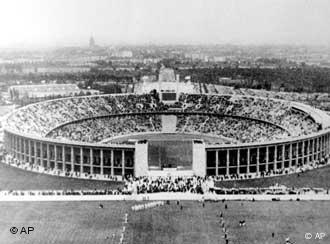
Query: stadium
166, 132
102, 157
164, 122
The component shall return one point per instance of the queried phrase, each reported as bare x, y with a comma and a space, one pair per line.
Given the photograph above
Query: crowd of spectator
235, 129
315, 99
193, 184
274, 111
98, 129
77, 119
41, 118
201, 185
241, 130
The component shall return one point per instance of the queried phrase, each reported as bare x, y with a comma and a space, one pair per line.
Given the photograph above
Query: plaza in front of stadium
84, 222
166, 138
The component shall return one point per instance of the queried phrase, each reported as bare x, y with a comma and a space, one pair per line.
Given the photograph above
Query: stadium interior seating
80, 118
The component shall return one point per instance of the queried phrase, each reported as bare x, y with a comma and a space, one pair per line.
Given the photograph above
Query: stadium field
85, 222
16, 179
170, 137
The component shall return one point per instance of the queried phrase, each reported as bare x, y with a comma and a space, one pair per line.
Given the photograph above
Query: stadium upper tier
276, 117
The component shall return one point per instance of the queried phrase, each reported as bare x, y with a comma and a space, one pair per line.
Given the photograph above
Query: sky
72, 22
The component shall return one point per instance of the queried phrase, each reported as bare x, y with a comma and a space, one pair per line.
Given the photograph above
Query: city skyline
254, 22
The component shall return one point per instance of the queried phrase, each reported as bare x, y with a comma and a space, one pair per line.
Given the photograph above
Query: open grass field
84, 222
314, 178
17, 179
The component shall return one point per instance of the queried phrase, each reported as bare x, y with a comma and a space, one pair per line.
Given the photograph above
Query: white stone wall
141, 159
199, 159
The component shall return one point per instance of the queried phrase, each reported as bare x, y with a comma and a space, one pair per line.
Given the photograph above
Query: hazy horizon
40, 23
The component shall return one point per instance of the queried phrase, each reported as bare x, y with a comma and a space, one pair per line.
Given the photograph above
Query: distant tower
91, 42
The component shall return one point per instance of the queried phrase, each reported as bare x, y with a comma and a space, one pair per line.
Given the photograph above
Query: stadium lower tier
163, 157
237, 129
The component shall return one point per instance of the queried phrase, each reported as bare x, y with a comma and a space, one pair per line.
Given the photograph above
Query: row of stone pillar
317, 148
21, 150
311, 149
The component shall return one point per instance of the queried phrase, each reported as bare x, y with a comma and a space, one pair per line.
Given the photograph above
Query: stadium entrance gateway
170, 157
170, 154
